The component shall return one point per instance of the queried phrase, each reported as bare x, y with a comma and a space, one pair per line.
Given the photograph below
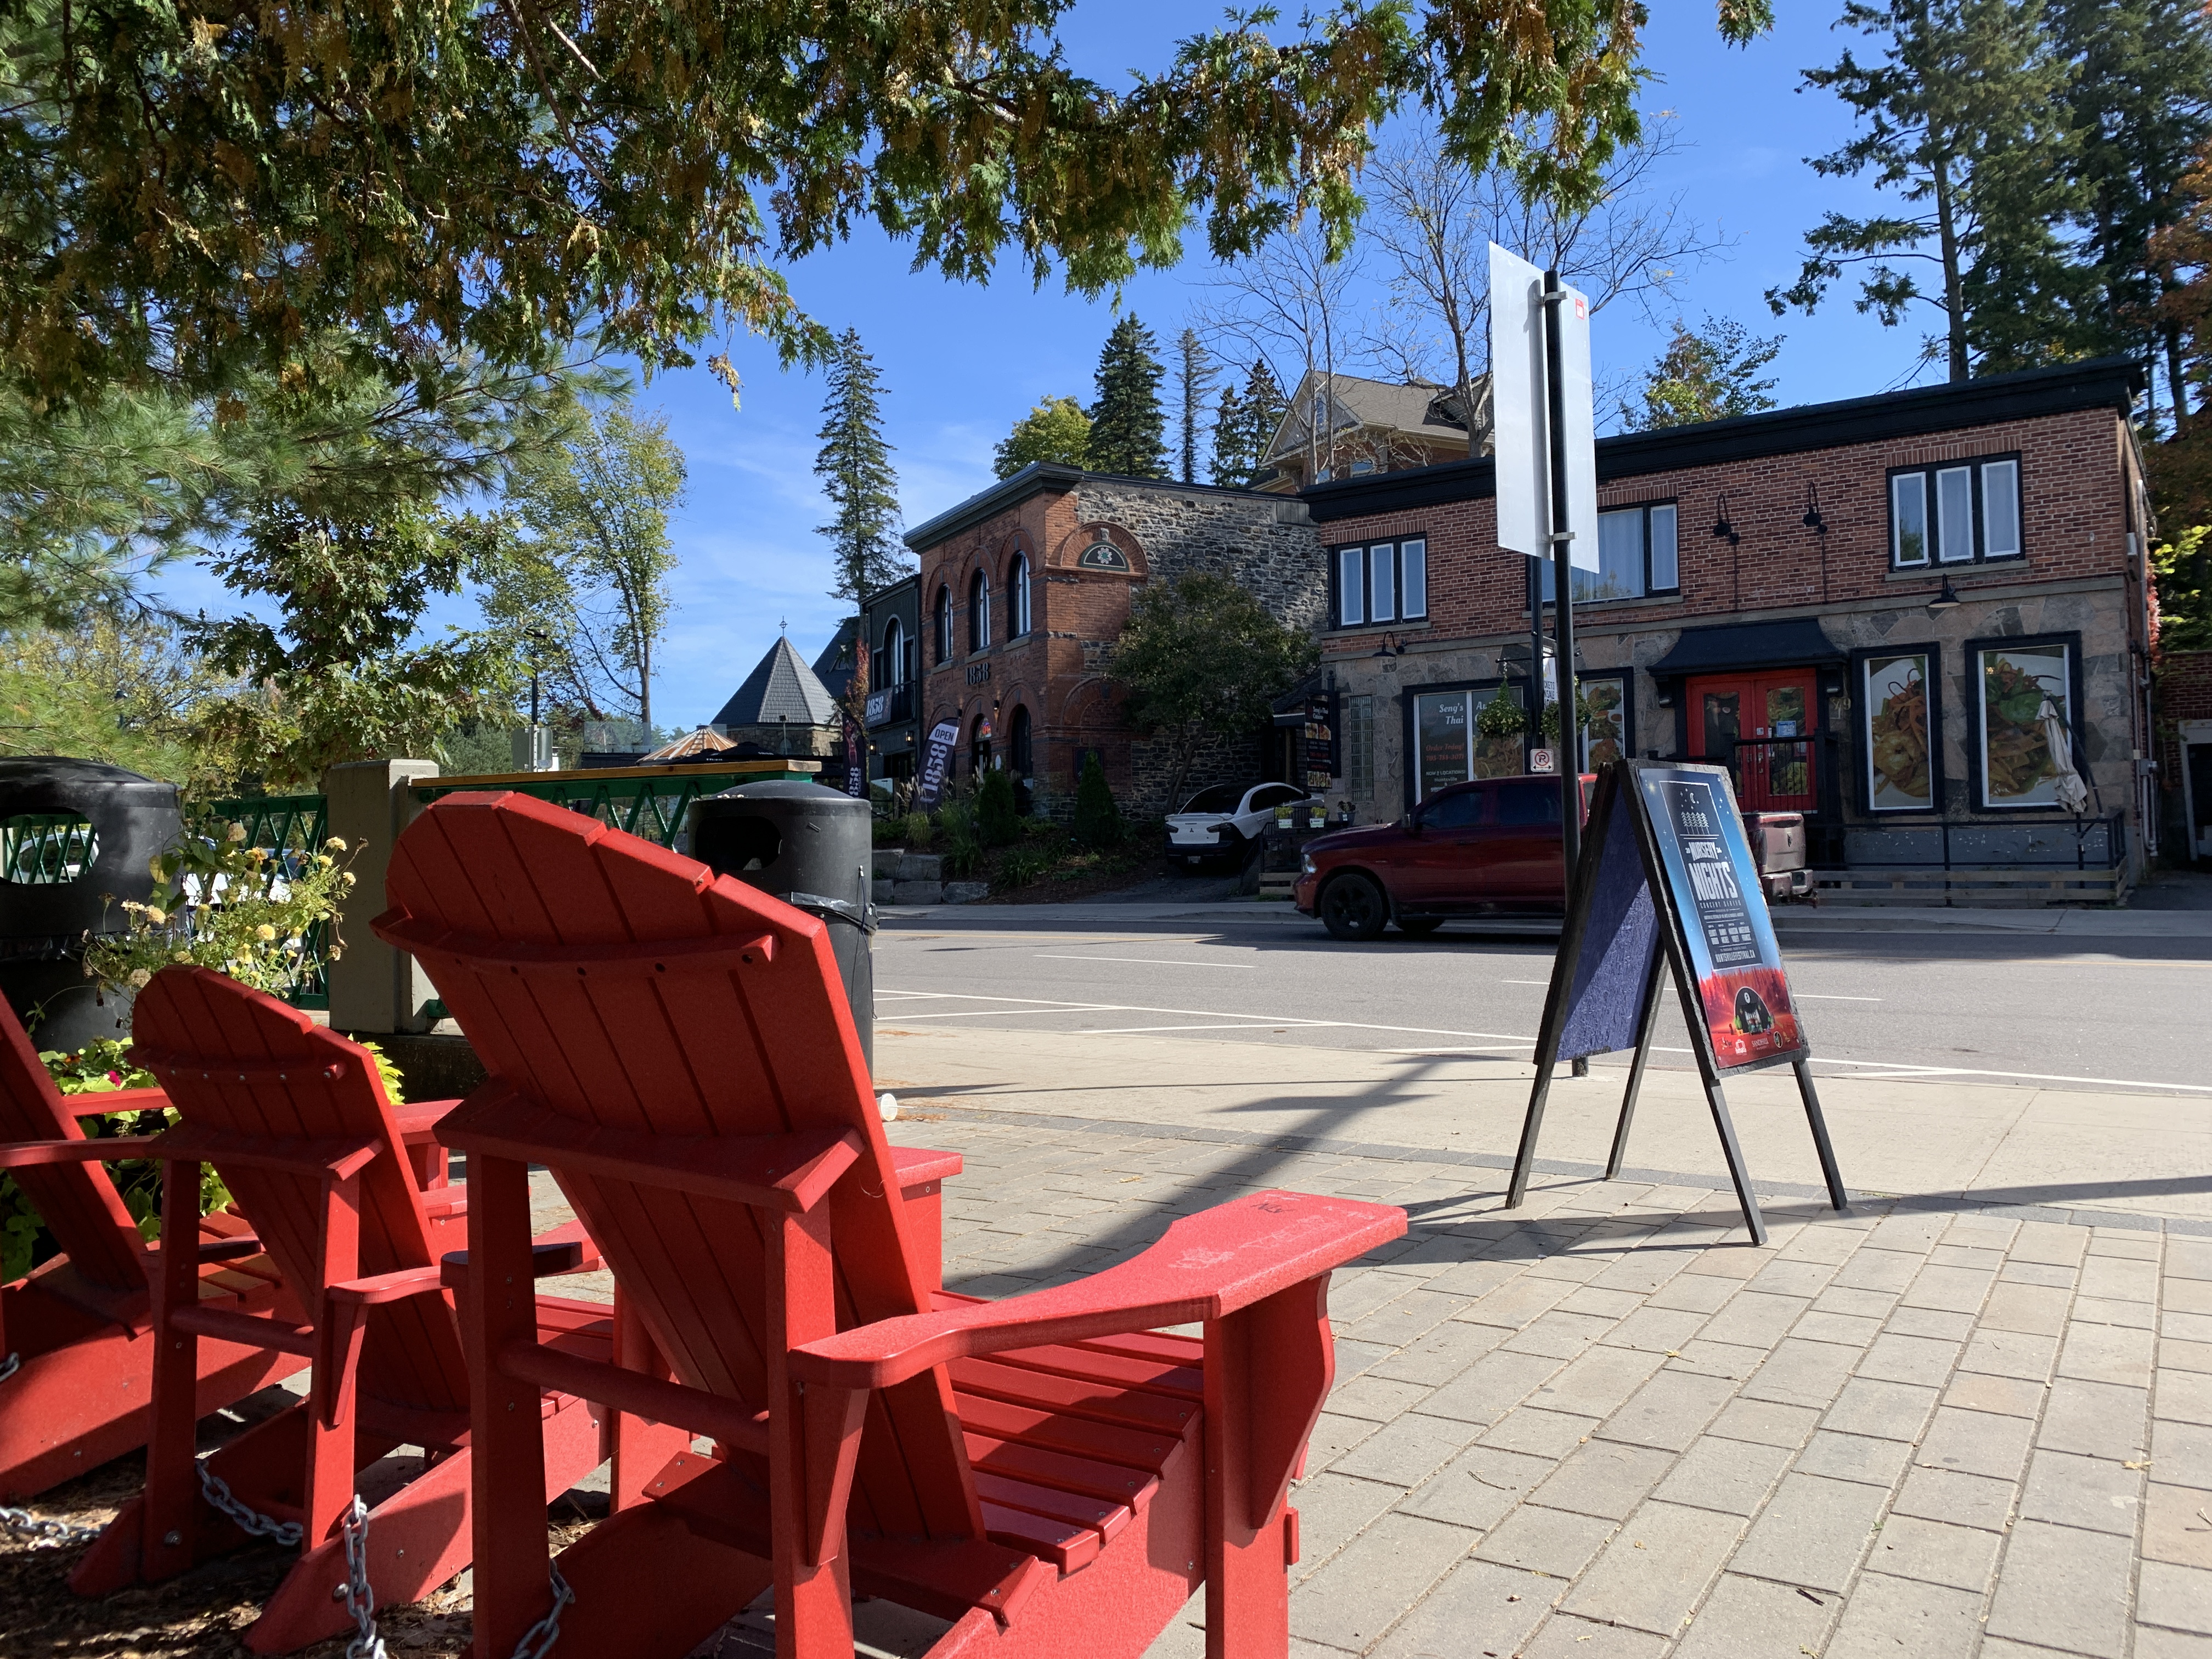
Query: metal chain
360, 1596
217, 1491
537, 1641
37, 1528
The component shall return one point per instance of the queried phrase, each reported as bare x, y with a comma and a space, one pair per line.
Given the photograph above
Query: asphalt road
2086, 1013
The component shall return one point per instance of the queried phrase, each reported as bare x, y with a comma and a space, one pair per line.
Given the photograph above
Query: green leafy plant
245, 911
998, 820
1501, 717
1097, 818
961, 843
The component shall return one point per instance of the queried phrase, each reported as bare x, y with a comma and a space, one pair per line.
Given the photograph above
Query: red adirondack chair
293, 1118
76, 1354
1044, 1473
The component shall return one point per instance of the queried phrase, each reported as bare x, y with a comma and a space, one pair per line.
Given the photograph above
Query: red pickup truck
1488, 848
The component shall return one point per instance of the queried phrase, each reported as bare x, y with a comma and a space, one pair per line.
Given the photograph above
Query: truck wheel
1352, 907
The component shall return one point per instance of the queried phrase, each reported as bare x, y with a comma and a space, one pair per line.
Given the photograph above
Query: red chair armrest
379, 1288
418, 1120
31, 1154
115, 1100
1208, 1266
565, 1249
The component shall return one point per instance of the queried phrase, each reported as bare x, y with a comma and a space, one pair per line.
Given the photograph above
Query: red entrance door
1761, 725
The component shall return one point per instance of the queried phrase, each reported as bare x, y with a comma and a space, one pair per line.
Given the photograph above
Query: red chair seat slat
1067, 1545
1101, 1401
1148, 1376
1067, 1471
1103, 1515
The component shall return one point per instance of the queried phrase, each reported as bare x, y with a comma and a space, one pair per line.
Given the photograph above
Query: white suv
1223, 825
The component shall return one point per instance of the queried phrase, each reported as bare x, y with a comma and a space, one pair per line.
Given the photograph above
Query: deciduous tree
1057, 429
1203, 659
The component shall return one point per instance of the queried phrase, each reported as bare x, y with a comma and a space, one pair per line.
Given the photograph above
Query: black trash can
812, 847
73, 834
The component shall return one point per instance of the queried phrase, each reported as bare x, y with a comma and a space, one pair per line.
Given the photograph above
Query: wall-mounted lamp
1722, 527
1663, 692
1390, 646
1813, 520
1946, 600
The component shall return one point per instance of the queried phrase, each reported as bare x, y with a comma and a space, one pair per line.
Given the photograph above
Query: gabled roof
704, 741
834, 667
1419, 409
782, 687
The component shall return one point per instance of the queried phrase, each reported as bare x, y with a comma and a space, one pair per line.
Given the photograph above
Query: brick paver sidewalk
1603, 1425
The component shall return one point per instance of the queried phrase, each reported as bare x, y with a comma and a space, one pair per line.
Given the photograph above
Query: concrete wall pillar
374, 987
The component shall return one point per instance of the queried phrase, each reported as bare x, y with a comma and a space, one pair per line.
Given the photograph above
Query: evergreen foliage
1193, 380
2181, 254
1127, 427
997, 822
1097, 821
1704, 374
1057, 429
1965, 119
2141, 101
854, 466
1243, 423
115, 688
1205, 659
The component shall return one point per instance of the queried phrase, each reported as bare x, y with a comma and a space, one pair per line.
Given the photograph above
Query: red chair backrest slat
77, 1201
188, 1022
484, 889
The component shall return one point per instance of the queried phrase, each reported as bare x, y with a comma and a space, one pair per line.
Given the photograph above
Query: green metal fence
42, 849
289, 828
651, 801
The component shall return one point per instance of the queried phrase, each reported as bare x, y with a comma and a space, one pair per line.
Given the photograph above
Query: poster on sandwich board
1667, 886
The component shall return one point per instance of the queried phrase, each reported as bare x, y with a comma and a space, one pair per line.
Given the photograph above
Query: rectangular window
2024, 691
1636, 556
1413, 579
1908, 518
1384, 582
1443, 726
2001, 510
1359, 748
1605, 732
1898, 737
1956, 513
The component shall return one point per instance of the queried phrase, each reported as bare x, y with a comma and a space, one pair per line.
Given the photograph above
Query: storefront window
1896, 731
2026, 697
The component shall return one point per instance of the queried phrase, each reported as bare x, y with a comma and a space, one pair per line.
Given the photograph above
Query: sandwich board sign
1667, 888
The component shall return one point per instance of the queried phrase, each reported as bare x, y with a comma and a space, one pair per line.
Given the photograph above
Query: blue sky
962, 363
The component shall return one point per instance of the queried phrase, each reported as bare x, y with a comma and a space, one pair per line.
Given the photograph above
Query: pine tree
1128, 428
1244, 425
2142, 105
854, 466
1194, 380
1965, 120
1705, 375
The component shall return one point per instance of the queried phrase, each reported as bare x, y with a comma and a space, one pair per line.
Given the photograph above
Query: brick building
1025, 590
2185, 752
1921, 617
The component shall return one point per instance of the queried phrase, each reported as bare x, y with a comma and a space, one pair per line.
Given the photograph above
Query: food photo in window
2026, 728
1898, 733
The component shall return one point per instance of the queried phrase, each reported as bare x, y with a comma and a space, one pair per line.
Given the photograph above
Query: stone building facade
1025, 590
1875, 606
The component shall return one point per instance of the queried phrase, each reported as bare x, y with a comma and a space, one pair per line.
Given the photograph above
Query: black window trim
1409, 733
1364, 547
1973, 464
1863, 712
1535, 583
1974, 649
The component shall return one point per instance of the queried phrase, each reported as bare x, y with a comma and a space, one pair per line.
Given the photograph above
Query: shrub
1097, 819
1025, 864
959, 841
997, 822
918, 830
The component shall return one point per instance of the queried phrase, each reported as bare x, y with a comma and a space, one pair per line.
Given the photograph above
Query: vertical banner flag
1520, 407
936, 756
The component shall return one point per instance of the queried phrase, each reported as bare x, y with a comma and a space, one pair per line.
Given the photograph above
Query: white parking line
1156, 962
1817, 996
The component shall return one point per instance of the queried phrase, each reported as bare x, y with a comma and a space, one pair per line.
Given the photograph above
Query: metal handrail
651, 801
2113, 823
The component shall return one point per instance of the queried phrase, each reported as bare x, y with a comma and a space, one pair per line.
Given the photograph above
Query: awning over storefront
1795, 643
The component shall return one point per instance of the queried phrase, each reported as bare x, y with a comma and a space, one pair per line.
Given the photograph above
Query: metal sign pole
1566, 754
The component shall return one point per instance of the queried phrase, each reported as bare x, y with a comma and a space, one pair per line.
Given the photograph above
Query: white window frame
1360, 572
894, 651
1926, 486
1646, 511
1018, 586
979, 613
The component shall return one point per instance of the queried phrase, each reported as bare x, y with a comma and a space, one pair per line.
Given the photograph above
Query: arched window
894, 669
1018, 598
943, 625
979, 743
979, 612
1018, 742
